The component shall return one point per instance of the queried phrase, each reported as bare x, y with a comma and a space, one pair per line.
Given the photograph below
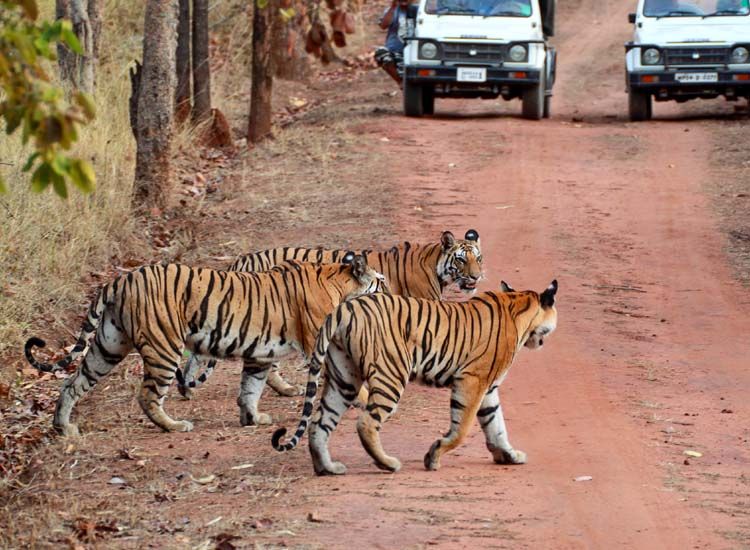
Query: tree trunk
182, 97
259, 126
156, 103
66, 59
79, 71
290, 59
135, 88
94, 10
201, 67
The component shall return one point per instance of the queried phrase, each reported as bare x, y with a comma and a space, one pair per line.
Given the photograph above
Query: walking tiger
161, 309
385, 341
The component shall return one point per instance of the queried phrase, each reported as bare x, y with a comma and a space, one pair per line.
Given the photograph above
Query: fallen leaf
214, 521
262, 523
314, 518
203, 480
127, 454
297, 102
224, 541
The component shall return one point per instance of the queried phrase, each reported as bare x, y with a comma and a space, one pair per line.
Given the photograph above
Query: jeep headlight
651, 56
740, 55
428, 50
518, 53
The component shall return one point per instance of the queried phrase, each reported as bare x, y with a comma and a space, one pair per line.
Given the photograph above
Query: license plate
471, 74
696, 77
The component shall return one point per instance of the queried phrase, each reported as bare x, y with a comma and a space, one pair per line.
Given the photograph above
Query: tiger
384, 341
417, 270
162, 309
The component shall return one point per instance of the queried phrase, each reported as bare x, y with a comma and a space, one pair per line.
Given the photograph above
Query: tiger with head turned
162, 309
416, 270
385, 341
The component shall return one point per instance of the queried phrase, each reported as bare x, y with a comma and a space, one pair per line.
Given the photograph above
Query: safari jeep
479, 48
687, 49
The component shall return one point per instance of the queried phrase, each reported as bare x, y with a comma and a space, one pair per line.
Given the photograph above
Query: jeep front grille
473, 53
685, 57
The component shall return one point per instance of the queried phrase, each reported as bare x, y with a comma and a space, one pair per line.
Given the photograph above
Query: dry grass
49, 244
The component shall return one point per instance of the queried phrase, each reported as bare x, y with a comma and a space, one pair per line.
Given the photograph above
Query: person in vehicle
740, 7
391, 56
502, 7
658, 8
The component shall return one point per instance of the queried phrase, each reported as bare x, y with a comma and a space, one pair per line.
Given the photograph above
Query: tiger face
545, 321
461, 261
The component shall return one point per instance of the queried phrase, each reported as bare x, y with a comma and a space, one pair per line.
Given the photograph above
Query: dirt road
650, 358
652, 350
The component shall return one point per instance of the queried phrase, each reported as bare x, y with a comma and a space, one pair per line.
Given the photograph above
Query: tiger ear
472, 235
547, 297
348, 258
505, 287
359, 267
447, 240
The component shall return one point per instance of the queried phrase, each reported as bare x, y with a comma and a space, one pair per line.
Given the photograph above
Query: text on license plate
471, 74
696, 77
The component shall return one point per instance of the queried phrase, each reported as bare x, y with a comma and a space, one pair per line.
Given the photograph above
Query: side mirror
547, 8
411, 11
631, 18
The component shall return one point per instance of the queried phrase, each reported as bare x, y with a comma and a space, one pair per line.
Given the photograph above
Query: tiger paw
258, 419
432, 459
183, 426
291, 391
185, 392
390, 465
513, 456
333, 469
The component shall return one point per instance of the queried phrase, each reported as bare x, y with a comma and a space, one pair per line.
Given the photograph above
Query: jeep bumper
431, 74
664, 84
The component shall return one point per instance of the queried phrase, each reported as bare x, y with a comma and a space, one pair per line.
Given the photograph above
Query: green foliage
31, 103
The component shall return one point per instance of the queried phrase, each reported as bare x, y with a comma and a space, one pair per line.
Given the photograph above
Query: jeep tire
639, 105
413, 99
428, 100
533, 99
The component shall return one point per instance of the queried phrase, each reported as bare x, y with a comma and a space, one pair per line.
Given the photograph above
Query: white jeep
687, 49
479, 48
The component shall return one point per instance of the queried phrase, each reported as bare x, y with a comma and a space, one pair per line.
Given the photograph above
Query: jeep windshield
695, 8
482, 8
